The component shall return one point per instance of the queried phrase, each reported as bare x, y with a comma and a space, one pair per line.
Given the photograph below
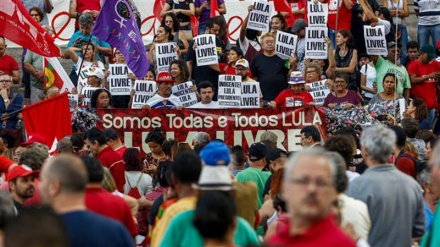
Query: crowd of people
374, 181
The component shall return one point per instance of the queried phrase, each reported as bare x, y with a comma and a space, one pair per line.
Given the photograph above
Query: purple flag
116, 25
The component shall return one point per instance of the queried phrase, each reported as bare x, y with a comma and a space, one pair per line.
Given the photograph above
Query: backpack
134, 191
420, 165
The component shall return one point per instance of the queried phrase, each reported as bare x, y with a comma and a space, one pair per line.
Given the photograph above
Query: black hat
257, 151
274, 154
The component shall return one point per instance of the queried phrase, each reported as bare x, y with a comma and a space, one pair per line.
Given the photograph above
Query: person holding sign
179, 72
342, 97
163, 98
298, 8
234, 55
277, 22
206, 92
294, 96
248, 39
170, 20
163, 36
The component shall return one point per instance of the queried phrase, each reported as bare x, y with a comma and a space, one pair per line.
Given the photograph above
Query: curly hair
341, 145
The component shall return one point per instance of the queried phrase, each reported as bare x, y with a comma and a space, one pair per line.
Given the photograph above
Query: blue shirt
85, 38
429, 216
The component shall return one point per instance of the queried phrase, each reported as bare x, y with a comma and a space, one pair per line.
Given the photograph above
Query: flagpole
2, 118
82, 59
337, 17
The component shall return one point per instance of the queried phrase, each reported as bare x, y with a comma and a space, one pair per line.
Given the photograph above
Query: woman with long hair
164, 35
179, 71
170, 20
417, 109
278, 23
346, 55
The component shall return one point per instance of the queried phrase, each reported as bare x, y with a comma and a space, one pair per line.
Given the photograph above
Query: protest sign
118, 81
250, 95
229, 91
82, 78
235, 126
375, 40
165, 54
144, 90
73, 101
185, 93
87, 92
206, 52
259, 17
316, 47
319, 91
285, 45
317, 14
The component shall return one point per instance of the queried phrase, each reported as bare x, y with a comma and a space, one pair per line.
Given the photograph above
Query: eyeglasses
5, 81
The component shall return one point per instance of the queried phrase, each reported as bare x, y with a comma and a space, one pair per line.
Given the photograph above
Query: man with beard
21, 185
206, 91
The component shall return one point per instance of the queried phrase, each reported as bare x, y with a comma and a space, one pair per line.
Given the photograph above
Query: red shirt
5, 163
8, 64
288, 98
87, 5
344, 18
427, 89
296, 5
105, 203
110, 159
120, 150
324, 233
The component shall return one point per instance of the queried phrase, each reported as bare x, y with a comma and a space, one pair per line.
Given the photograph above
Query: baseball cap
214, 178
242, 62
19, 171
215, 154
296, 78
95, 71
257, 151
392, 43
35, 137
274, 154
298, 25
164, 77
428, 49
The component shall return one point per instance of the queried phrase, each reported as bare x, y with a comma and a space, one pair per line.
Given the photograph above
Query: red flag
19, 27
50, 118
158, 6
55, 75
214, 9
282, 6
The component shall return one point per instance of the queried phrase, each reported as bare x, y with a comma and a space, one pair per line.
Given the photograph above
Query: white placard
82, 78
185, 93
87, 92
250, 95
316, 47
144, 90
229, 91
73, 101
317, 14
206, 52
259, 17
118, 81
285, 45
375, 41
165, 54
319, 91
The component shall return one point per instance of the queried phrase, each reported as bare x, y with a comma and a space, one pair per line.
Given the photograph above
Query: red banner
18, 26
234, 126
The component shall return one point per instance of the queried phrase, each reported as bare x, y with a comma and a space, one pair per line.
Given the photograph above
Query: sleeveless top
397, 6
342, 62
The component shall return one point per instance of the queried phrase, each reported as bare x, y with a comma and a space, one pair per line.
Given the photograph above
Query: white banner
317, 14
87, 95
250, 95
319, 91
229, 91
206, 52
185, 93
316, 47
375, 41
118, 81
165, 54
259, 18
144, 90
285, 44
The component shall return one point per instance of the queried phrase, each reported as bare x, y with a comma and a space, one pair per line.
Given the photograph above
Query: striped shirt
429, 12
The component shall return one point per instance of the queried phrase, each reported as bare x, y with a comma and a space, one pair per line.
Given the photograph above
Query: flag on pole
283, 6
55, 75
116, 25
50, 118
158, 6
19, 27
214, 9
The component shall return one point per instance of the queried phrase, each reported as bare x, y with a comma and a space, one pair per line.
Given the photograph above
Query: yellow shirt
184, 204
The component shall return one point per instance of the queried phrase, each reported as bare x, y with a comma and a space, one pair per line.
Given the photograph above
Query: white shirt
356, 213
211, 105
145, 183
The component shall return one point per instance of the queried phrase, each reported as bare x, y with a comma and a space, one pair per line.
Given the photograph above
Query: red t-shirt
110, 159
427, 89
296, 5
344, 18
120, 150
105, 203
324, 233
8, 64
87, 5
5, 163
288, 98
230, 70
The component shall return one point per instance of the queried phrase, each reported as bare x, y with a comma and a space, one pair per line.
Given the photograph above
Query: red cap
164, 77
35, 137
19, 171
